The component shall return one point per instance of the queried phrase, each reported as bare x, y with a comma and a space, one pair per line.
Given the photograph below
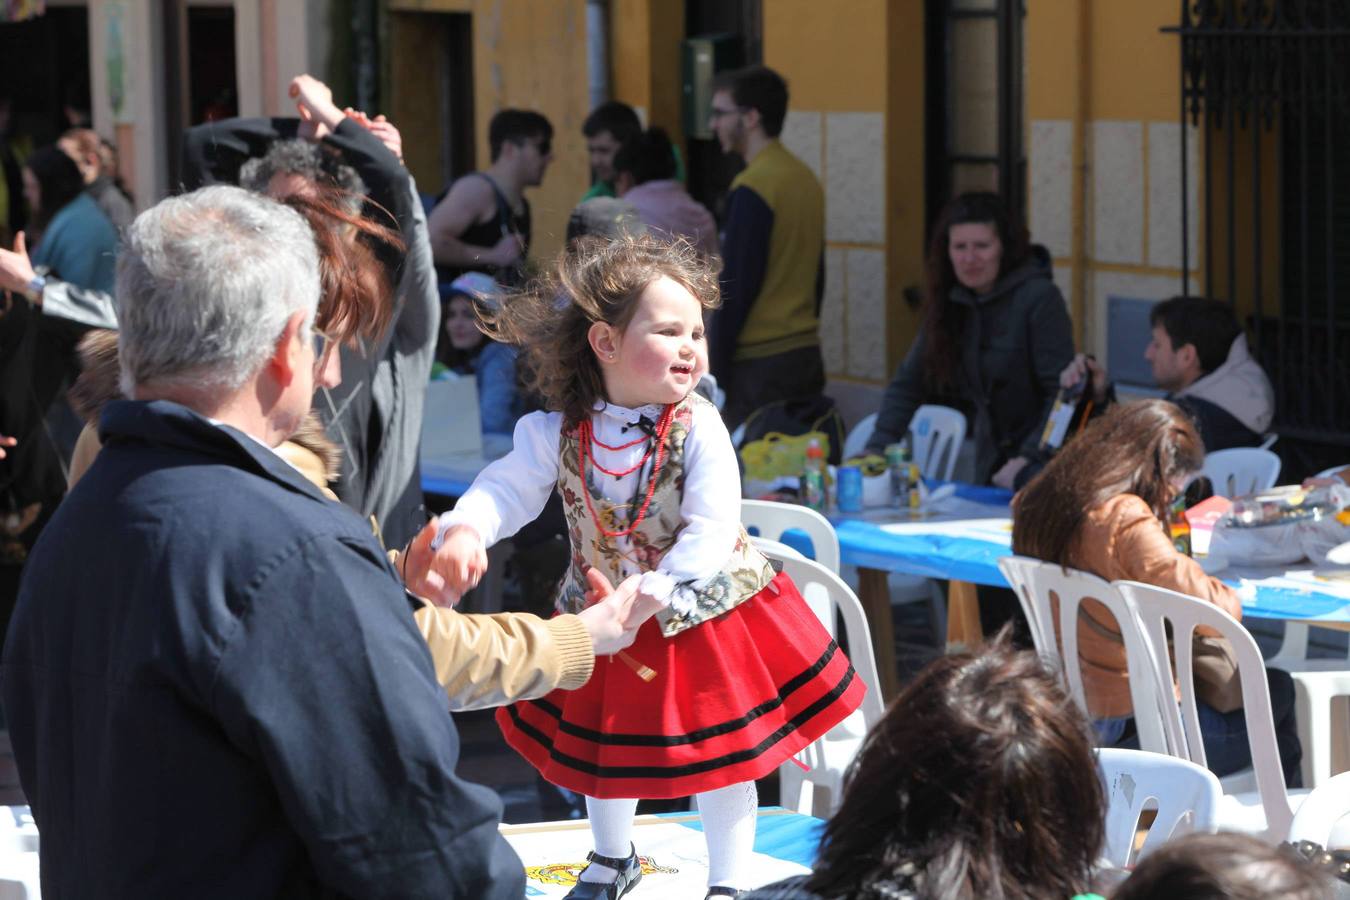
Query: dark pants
1225, 734
751, 383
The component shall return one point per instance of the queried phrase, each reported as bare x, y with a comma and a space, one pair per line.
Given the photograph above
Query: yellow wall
1106, 72
527, 54
832, 61
869, 61
905, 184
1110, 64
645, 64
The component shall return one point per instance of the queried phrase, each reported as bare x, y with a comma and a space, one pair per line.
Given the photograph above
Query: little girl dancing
734, 674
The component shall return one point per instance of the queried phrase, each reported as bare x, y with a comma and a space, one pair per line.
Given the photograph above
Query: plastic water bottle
814, 493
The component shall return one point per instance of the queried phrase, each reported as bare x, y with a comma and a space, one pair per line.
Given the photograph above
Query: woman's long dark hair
1136, 448
447, 354
59, 182
943, 321
979, 782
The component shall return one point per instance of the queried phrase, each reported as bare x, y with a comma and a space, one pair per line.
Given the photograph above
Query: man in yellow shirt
765, 342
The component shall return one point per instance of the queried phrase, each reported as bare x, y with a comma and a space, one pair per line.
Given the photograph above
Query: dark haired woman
77, 243
979, 782
994, 338
465, 350
1101, 505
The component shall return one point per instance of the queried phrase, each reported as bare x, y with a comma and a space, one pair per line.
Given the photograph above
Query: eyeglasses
714, 113
323, 345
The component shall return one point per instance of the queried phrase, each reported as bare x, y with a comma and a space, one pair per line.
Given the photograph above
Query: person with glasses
765, 341
483, 222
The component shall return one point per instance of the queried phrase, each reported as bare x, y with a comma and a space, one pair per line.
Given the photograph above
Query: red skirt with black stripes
732, 698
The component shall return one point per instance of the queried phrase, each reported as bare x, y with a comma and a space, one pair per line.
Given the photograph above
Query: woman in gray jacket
995, 337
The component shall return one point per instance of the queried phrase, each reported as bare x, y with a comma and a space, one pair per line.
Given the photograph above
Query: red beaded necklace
586, 437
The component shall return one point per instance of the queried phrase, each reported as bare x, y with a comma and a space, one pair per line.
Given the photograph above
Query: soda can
848, 489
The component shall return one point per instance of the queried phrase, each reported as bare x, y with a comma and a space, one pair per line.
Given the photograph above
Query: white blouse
510, 492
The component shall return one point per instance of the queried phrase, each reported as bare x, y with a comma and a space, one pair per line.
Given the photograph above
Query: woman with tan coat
1101, 506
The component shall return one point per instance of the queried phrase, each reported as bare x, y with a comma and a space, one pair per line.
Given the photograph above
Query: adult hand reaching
16, 269
1005, 476
643, 607
314, 102
1080, 368
607, 613
6, 442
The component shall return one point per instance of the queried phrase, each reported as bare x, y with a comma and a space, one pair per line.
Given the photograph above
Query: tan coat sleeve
1146, 554
86, 449
489, 660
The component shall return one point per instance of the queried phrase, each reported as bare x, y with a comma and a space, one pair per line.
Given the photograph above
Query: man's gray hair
205, 284
312, 162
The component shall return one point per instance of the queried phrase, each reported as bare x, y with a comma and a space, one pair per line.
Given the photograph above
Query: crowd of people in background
301, 293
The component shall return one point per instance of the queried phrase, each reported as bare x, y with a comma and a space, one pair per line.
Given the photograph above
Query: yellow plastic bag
778, 455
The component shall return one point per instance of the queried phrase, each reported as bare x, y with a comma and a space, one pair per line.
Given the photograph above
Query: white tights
728, 816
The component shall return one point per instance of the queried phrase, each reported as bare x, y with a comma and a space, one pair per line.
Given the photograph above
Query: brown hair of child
596, 280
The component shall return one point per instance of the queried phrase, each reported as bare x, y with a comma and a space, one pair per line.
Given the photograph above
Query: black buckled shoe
630, 873
720, 891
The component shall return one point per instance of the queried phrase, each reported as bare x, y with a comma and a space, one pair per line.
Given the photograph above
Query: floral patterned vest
745, 574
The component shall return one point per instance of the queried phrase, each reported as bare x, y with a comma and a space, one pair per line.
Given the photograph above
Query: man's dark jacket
215, 688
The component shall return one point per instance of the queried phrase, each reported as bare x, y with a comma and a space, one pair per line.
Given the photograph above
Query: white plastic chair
935, 437
1317, 682
1185, 795
1241, 470
1055, 626
1324, 815
856, 442
828, 758
936, 434
769, 519
1268, 811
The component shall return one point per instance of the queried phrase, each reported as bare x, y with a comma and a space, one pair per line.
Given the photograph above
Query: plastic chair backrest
1318, 815
769, 519
1038, 584
1156, 608
813, 579
1186, 797
856, 442
1241, 470
936, 434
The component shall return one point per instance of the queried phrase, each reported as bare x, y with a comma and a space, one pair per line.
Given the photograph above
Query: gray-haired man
213, 684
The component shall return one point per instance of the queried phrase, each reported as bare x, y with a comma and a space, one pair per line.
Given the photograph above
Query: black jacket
1016, 341
215, 688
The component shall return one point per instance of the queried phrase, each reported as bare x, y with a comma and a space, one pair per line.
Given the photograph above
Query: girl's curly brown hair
595, 280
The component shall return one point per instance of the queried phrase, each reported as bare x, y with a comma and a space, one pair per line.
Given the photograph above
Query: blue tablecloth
968, 546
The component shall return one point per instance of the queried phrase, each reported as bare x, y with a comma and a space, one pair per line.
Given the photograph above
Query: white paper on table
674, 858
993, 530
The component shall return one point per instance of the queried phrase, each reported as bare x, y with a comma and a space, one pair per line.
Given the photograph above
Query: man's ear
290, 356
604, 340
753, 119
1189, 357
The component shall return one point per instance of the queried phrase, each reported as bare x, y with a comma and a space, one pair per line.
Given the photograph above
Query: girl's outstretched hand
444, 574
